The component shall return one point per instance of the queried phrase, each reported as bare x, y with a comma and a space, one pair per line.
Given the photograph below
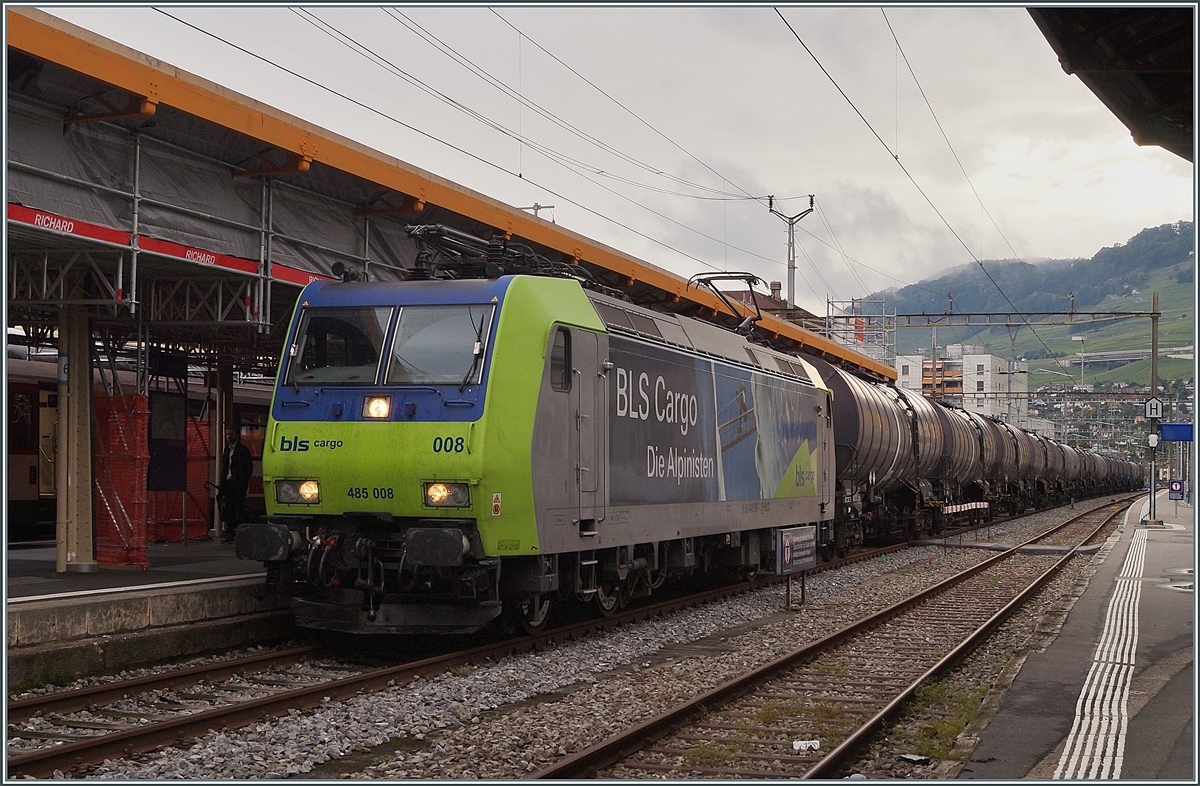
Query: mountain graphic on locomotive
497, 433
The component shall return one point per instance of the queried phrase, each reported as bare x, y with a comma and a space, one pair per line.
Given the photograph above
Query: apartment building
967, 377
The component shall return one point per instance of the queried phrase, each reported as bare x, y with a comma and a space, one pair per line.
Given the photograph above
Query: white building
910, 370
996, 387
971, 379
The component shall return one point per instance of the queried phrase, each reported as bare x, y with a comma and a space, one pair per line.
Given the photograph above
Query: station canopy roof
179, 212
1137, 60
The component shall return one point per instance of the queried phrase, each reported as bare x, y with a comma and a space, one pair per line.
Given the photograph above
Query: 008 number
448, 444
362, 492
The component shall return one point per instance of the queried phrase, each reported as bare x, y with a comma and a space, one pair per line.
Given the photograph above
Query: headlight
297, 492
447, 495
377, 407
310, 491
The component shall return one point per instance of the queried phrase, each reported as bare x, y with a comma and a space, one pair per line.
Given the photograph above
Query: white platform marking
1095, 748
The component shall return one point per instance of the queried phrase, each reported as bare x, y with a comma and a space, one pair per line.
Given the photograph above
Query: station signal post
1154, 411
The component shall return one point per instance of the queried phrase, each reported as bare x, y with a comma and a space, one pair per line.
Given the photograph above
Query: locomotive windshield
439, 345
339, 346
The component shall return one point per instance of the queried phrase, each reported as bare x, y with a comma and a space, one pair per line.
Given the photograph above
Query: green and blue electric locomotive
441, 451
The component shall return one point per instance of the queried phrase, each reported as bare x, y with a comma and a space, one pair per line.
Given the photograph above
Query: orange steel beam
49, 38
294, 163
137, 106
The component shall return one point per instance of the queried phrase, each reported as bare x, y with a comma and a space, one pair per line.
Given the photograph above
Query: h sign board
1175, 432
795, 550
1175, 490
1154, 408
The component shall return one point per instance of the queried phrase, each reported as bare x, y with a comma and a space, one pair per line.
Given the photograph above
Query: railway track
805, 713
72, 729
69, 729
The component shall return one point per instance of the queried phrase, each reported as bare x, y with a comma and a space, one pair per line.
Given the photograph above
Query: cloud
719, 100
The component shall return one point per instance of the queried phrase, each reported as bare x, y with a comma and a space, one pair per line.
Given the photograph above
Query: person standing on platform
235, 480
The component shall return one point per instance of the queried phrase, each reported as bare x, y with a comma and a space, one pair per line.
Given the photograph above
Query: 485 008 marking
362, 492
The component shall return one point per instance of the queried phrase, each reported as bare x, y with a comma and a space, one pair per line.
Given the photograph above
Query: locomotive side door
826, 492
587, 395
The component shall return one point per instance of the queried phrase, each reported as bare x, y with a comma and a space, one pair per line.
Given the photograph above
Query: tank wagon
908, 467
443, 452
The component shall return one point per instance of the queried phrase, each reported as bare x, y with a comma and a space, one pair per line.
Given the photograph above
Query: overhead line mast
791, 265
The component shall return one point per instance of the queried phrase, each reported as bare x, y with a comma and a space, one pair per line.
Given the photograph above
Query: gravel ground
132, 674
509, 718
1028, 630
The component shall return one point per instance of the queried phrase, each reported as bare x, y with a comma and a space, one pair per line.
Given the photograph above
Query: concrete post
74, 536
63, 519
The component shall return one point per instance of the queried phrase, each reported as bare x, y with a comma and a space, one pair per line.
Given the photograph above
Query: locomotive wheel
607, 600
533, 612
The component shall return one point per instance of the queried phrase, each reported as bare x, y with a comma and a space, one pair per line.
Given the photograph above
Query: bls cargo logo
294, 443
300, 445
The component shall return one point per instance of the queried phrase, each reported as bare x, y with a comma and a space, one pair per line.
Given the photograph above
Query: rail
590, 762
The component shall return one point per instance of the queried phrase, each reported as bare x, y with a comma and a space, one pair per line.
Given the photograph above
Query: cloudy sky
660, 131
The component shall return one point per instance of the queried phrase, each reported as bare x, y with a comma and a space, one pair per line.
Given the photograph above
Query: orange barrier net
167, 512
122, 458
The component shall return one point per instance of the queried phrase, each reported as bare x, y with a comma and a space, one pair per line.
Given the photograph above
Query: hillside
1118, 278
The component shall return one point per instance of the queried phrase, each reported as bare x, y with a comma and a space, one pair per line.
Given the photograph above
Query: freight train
445, 452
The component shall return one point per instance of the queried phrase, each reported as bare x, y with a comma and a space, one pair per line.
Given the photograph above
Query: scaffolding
864, 325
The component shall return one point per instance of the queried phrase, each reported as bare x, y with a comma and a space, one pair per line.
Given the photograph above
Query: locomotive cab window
560, 360
339, 346
440, 345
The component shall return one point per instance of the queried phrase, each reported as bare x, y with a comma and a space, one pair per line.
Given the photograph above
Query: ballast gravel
512, 717
130, 674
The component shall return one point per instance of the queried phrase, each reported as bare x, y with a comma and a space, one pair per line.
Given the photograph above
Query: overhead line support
1005, 319
791, 263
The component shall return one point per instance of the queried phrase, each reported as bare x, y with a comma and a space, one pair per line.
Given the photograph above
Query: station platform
31, 571
1112, 694
192, 599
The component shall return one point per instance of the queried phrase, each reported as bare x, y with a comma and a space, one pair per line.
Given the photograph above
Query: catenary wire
354, 45
633, 114
817, 270
829, 228
433, 138
913, 181
450, 52
570, 163
500, 168
573, 165
954, 153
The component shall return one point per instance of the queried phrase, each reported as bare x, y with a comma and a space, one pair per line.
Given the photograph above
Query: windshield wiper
292, 360
477, 351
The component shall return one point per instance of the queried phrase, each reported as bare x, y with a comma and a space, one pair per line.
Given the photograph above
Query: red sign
295, 275
67, 226
196, 255
72, 226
